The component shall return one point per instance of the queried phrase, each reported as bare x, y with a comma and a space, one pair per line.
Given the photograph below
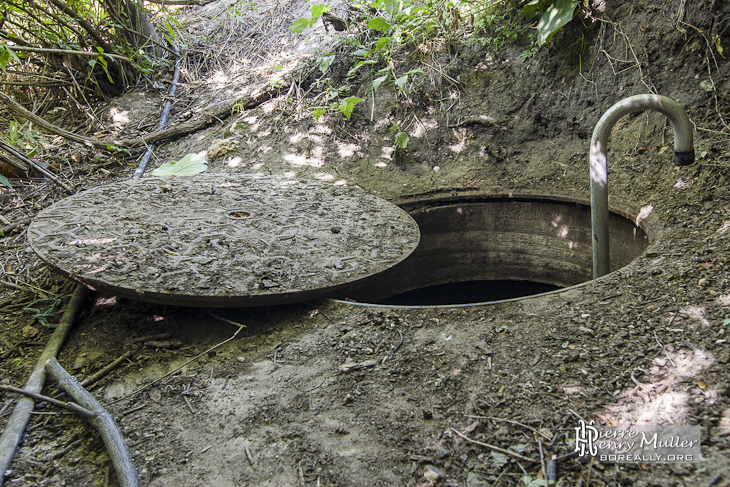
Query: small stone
431, 473
436, 168
703, 282
475, 479
221, 147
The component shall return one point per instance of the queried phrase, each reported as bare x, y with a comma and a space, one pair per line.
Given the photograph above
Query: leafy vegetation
104, 43
189, 165
380, 28
556, 13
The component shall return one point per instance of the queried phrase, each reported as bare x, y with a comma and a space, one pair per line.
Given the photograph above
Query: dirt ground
334, 394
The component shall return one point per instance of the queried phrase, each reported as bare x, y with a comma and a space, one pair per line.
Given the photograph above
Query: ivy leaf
5, 182
400, 82
348, 105
556, 16
187, 166
382, 42
402, 138
325, 62
379, 81
318, 112
318, 9
298, 26
379, 23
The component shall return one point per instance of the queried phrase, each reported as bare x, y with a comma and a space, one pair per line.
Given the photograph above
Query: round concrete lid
222, 240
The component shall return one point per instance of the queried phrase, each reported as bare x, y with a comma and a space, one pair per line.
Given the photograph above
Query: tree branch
84, 24
102, 421
68, 51
21, 111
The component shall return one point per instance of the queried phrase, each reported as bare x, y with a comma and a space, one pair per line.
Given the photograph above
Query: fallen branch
209, 116
21, 111
101, 373
15, 427
70, 406
9, 149
101, 420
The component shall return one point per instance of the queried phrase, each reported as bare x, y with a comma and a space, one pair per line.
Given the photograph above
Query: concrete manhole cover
222, 240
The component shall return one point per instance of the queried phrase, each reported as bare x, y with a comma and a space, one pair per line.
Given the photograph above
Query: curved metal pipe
684, 154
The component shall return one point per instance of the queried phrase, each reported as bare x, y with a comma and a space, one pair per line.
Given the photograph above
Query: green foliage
4, 181
401, 138
24, 136
45, 37
238, 10
187, 166
114, 148
316, 11
556, 13
347, 105
530, 481
325, 62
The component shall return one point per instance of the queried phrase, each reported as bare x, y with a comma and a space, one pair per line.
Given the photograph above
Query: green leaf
382, 42
298, 26
415, 71
114, 148
318, 112
4, 57
361, 53
392, 6
187, 166
359, 65
556, 16
379, 81
401, 139
379, 23
325, 62
400, 82
4, 181
530, 10
348, 105
318, 9
170, 31
106, 68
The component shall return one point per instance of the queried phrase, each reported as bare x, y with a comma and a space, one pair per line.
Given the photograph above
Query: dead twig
496, 448
101, 373
250, 457
225, 320
542, 462
492, 418
145, 387
397, 346
70, 406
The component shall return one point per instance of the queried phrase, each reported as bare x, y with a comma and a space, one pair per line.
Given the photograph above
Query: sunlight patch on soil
668, 398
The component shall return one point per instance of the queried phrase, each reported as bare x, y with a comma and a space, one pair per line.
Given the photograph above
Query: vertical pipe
142, 166
684, 154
